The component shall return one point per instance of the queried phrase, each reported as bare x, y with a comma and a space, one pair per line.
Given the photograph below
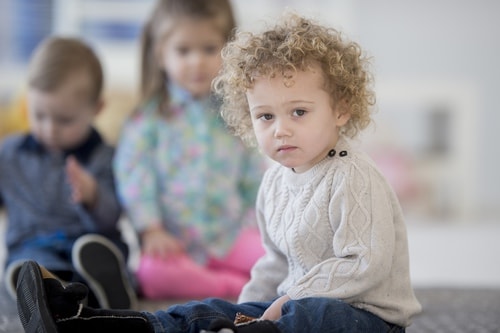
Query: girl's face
297, 125
62, 119
191, 55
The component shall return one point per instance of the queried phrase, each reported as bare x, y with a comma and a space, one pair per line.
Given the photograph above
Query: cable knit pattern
335, 231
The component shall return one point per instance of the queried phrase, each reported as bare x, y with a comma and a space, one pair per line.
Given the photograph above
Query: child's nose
197, 59
282, 128
49, 128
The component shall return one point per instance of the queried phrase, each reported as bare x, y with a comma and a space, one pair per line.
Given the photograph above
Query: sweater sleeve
270, 270
361, 215
134, 167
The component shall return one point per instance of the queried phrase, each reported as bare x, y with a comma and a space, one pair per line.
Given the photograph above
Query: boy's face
297, 125
191, 55
62, 119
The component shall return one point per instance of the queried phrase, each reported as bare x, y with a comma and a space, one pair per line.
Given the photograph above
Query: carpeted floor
444, 310
458, 310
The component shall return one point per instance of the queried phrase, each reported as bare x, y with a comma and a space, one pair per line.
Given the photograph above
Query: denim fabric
304, 315
52, 251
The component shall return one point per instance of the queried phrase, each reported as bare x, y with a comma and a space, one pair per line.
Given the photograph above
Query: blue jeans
52, 251
304, 315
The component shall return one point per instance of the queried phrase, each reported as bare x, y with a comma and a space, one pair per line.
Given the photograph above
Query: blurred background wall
435, 64
436, 68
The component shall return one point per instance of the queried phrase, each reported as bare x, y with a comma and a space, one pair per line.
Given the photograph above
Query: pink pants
181, 277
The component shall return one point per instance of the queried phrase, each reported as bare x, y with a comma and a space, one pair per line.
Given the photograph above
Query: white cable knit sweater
336, 231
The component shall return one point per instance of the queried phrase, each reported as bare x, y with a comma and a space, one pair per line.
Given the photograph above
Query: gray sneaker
103, 267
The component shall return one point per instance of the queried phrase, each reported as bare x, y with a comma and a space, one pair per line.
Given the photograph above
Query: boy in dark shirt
56, 181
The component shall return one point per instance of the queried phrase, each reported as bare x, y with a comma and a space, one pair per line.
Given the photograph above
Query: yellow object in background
118, 106
14, 117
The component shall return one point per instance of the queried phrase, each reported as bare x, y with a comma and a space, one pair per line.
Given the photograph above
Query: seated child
336, 255
56, 181
187, 185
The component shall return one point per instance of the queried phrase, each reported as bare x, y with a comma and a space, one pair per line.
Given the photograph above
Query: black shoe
254, 326
33, 307
220, 326
46, 306
103, 267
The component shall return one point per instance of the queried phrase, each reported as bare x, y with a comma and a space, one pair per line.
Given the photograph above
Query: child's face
191, 55
62, 119
296, 126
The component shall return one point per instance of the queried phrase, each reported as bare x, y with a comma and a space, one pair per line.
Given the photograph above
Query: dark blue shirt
37, 196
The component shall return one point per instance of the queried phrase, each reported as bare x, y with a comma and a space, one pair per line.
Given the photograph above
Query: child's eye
265, 116
299, 112
64, 121
182, 50
211, 49
40, 116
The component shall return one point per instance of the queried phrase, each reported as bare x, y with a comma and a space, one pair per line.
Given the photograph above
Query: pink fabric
181, 277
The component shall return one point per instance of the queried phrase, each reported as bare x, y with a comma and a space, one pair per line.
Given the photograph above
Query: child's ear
342, 113
99, 106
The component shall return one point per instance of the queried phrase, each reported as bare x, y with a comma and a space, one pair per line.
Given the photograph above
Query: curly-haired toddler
336, 247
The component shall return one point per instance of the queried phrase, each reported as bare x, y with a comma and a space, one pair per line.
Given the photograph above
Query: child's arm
273, 312
267, 273
157, 242
94, 193
83, 184
269, 270
136, 176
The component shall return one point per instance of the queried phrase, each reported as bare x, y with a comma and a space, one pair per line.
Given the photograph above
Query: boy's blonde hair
165, 16
58, 58
293, 45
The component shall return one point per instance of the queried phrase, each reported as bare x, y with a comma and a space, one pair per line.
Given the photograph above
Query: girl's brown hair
57, 58
293, 45
163, 19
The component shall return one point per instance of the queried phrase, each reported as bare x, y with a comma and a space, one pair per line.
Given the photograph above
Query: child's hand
159, 243
83, 185
274, 311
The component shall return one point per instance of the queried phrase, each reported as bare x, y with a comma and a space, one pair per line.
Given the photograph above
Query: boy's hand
274, 311
83, 185
157, 242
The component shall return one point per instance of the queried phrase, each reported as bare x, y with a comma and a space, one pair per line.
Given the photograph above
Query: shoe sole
99, 262
32, 305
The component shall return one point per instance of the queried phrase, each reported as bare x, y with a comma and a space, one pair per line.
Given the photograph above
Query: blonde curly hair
293, 45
